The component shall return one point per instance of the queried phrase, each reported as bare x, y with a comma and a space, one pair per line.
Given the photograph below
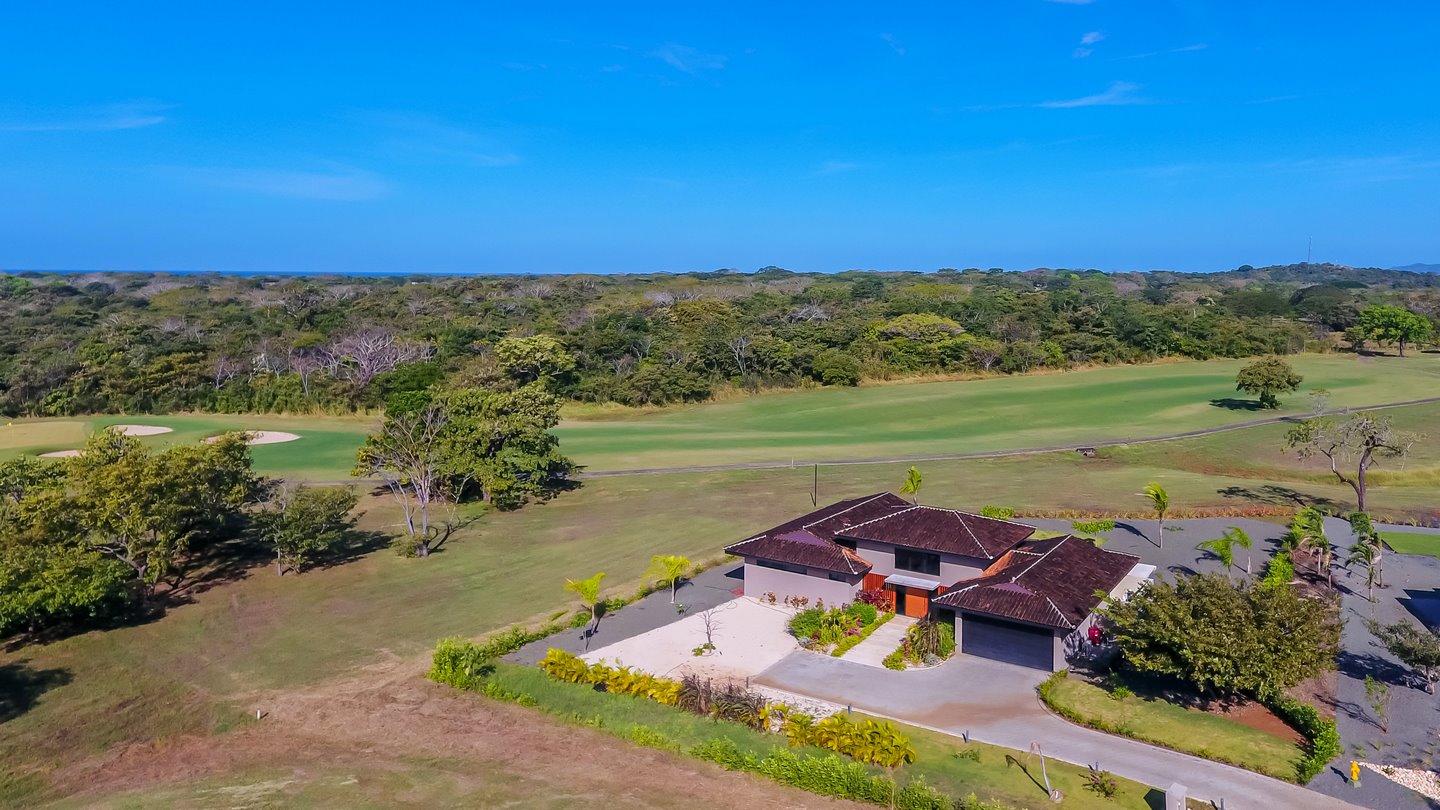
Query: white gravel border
1426, 783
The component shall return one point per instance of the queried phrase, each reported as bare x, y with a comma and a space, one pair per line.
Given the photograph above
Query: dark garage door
1006, 641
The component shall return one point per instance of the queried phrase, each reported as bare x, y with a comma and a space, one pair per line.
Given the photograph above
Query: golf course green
1044, 410
325, 450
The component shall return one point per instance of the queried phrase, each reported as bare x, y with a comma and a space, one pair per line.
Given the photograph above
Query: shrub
997, 512
849, 642
1321, 735
967, 754
1102, 783
460, 664
1093, 526
866, 613
878, 597
806, 623
895, 660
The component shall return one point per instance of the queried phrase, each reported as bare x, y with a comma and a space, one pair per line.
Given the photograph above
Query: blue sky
1118, 134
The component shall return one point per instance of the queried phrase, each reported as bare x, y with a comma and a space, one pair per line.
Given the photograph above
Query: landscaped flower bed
836, 630
927, 643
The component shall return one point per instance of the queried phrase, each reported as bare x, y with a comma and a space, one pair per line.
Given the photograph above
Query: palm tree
588, 591
1160, 503
1307, 532
1364, 531
1366, 556
1224, 547
911, 486
668, 570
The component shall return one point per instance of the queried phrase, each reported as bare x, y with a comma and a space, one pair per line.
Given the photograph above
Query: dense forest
150, 342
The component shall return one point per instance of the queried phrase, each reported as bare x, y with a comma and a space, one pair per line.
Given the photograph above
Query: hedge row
1322, 738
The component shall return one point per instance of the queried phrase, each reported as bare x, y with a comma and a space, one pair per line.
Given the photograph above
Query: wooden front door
917, 603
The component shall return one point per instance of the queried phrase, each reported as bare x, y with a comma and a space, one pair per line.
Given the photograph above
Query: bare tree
740, 349
1362, 439
405, 454
362, 356
305, 362
224, 369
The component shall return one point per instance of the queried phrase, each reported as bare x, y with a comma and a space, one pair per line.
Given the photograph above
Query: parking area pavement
996, 703
707, 590
748, 636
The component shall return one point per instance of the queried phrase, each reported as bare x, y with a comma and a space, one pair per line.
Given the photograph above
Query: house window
921, 562
779, 566
834, 577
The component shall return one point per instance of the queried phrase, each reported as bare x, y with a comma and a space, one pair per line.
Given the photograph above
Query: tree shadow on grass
1233, 404
1276, 495
22, 685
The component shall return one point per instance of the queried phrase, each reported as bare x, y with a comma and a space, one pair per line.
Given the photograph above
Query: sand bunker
264, 437
61, 454
142, 430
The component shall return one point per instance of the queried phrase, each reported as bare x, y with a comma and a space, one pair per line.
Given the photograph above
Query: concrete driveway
996, 703
749, 637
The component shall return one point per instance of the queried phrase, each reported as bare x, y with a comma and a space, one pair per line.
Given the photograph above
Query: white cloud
105, 118
1091, 38
688, 60
1116, 95
340, 183
425, 135
1199, 46
889, 39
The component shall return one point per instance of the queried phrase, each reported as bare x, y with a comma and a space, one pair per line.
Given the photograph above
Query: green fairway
1413, 542
325, 450
196, 670
1073, 408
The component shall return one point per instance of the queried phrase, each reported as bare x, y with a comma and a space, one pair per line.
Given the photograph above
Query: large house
1010, 597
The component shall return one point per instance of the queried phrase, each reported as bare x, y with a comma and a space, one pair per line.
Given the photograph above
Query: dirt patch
389, 713
1259, 718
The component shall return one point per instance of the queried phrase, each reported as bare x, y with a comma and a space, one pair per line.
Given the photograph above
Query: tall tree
669, 570
301, 522
1159, 504
501, 441
1362, 439
1365, 534
1267, 379
146, 509
1392, 324
1363, 556
405, 453
1225, 637
1416, 648
912, 484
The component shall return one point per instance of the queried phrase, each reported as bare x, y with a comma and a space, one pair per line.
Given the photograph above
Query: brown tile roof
1046, 582
809, 540
931, 528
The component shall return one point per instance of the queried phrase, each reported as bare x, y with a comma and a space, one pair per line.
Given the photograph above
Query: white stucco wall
816, 584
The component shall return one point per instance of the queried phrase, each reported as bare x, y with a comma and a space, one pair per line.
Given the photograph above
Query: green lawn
190, 672
1044, 410
1177, 727
1413, 542
325, 451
